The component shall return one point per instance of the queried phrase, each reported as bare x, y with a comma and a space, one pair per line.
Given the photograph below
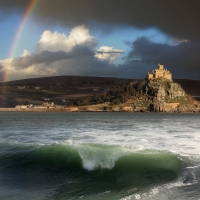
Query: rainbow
27, 14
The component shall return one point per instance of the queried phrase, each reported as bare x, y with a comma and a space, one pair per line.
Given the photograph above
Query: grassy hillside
59, 89
62, 89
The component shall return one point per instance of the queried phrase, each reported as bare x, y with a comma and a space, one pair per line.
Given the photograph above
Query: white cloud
108, 53
79, 35
58, 54
25, 53
180, 40
6, 65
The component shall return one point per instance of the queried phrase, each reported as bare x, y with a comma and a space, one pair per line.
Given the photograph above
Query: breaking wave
93, 167
88, 157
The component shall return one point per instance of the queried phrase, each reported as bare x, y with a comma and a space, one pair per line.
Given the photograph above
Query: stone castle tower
159, 73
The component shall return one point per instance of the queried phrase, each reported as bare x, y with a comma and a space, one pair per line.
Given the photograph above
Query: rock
175, 90
166, 96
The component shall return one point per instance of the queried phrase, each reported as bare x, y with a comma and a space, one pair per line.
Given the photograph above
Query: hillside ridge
64, 89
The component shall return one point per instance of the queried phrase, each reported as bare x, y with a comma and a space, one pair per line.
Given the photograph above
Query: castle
159, 73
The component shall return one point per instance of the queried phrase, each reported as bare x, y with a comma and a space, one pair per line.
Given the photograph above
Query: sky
108, 38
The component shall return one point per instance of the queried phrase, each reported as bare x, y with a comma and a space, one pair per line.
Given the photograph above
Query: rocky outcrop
175, 91
160, 93
165, 107
168, 96
162, 89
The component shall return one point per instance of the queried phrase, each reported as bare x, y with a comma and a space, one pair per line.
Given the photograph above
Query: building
49, 104
40, 106
24, 106
159, 73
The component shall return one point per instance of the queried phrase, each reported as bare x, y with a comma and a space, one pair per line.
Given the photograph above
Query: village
44, 105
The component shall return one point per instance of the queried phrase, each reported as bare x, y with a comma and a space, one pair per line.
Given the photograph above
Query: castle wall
150, 76
160, 67
160, 73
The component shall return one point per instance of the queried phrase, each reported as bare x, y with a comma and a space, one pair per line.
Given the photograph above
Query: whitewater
112, 156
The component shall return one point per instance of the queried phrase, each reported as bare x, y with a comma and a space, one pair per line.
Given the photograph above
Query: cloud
179, 18
58, 54
79, 35
108, 53
182, 60
43, 57
80, 61
13, 5
25, 53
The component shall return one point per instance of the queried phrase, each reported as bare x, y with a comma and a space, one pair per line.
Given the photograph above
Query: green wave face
78, 169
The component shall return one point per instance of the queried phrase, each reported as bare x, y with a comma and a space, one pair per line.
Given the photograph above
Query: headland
156, 93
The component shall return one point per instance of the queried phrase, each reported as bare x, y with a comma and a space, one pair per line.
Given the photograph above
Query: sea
99, 156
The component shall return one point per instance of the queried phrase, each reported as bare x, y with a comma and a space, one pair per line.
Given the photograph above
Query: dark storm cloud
43, 57
12, 5
80, 55
48, 57
79, 61
179, 18
182, 60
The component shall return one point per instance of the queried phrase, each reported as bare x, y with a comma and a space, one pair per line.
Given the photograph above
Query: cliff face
167, 96
162, 89
175, 91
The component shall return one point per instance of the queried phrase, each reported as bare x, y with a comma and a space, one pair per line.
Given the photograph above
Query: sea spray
99, 156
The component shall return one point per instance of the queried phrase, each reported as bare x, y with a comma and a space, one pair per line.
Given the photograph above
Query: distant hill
61, 89
67, 79
190, 86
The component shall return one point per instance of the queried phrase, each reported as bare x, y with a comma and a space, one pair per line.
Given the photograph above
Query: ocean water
112, 156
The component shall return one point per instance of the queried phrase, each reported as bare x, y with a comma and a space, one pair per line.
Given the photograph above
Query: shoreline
88, 109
